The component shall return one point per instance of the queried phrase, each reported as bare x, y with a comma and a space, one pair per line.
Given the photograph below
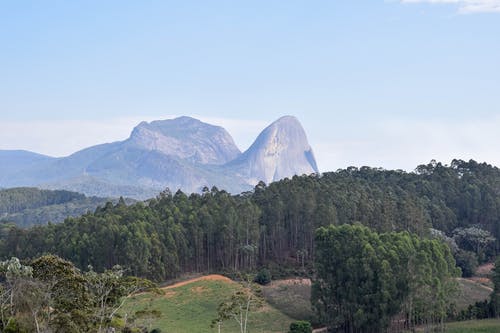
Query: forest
28, 206
393, 235
274, 225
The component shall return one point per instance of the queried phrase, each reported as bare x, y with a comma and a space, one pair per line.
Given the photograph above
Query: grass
474, 326
471, 292
190, 307
292, 297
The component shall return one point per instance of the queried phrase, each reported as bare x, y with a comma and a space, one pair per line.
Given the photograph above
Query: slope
190, 306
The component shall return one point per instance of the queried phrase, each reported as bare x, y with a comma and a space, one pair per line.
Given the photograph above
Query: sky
389, 84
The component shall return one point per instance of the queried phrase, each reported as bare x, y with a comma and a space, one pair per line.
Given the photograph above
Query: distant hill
182, 153
31, 206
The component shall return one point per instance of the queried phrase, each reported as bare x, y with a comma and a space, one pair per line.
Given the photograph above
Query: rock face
186, 138
182, 153
280, 151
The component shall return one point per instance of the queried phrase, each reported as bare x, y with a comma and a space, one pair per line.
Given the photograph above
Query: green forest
274, 225
28, 206
401, 231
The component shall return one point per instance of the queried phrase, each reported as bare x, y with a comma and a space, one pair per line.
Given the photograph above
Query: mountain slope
182, 153
13, 164
280, 151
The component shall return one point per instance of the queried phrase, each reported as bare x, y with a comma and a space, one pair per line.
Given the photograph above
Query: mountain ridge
182, 153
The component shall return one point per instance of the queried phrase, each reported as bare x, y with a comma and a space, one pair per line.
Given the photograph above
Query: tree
16, 276
109, 291
473, 239
245, 299
364, 279
66, 292
263, 277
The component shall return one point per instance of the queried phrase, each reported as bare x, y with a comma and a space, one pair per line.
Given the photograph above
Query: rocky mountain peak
186, 138
281, 150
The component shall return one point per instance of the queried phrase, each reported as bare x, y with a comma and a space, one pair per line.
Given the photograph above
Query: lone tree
247, 298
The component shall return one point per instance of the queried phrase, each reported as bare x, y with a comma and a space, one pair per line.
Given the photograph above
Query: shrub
300, 326
263, 277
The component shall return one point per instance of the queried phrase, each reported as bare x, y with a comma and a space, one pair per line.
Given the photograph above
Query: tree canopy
364, 279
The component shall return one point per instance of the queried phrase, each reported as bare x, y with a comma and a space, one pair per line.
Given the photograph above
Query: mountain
13, 161
186, 138
280, 151
182, 153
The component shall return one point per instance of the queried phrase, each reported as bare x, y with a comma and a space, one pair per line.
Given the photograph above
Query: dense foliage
274, 225
364, 279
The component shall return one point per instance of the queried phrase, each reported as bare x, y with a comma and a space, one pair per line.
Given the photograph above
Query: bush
300, 327
263, 277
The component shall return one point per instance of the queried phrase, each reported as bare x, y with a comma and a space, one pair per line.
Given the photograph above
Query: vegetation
495, 295
272, 226
364, 279
192, 305
246, 299
470, 293
292, 297
26, 206
300, 327
402, 264
263, 277
52, 295
474, 326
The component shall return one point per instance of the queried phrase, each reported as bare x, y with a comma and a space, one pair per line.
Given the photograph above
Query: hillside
31, 206
190, 306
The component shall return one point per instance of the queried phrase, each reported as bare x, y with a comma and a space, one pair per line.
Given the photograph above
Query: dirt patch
213, 277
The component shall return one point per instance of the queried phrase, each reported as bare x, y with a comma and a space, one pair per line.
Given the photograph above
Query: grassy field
189, 307
292, 297
471, 292
474, 326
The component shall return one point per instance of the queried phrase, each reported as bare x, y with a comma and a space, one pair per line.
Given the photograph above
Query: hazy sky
381, 83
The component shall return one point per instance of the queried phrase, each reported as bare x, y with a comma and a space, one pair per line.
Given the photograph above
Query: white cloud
466, 6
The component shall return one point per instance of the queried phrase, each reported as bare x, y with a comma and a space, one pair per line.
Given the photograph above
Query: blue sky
379, 83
